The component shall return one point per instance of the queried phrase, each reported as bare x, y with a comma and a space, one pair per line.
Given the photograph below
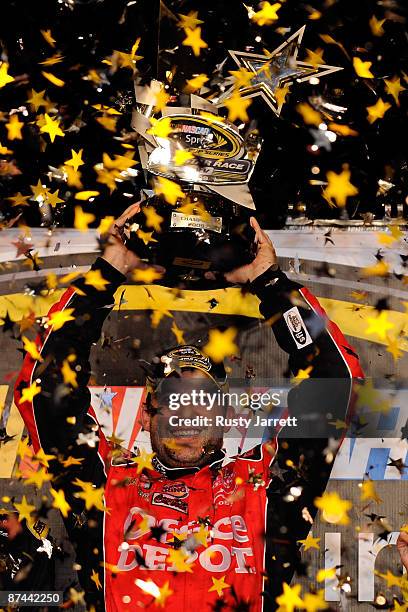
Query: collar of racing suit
173, 473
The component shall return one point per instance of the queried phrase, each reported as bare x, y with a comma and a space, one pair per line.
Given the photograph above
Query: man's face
176, 443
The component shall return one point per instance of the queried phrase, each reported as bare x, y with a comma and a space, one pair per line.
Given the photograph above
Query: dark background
86, 32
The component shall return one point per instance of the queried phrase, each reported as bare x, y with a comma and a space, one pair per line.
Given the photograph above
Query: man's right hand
116, 252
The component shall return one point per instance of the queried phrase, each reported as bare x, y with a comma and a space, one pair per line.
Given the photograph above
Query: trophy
205, 231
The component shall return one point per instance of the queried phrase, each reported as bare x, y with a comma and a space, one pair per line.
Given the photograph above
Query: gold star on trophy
274, 71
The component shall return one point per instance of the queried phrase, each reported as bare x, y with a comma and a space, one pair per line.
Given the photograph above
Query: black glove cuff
267, 279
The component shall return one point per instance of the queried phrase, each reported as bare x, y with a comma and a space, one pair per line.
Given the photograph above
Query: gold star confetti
54, 59
201, 536
189, 21
157, 315
160, 100
389, 239
95, 579
59, 502
23, 449
68, 374
14, 127
51, 127
146, 275
43, 458
378, 110
24, 509
339, 187
128, 60
290, 598
109, 123
376, 26
19, 199
37, 99
153, 219
181, 156
393, 88
324, 574
194, 40
53, 79
221, 344
28, 393
267, 15
40, 192
76, 160
48, 37
59, 318
368, 491
92, 496
393, 348
237, 107
281, 93
334, 508
310, 542
143, 460
218, 585
82, 219
369, 397
178, 333
398, 607
86, 195
242, 77
379, 325
314, 14
73, 178
309, 115
315, 58
27, 321
178, 559
164, 594
105, 224
170, 190
53, 199
5, 151
390, 578
362, 68
31, 348
160, 127
312, 602
71, 461
196, 82
146, 237
38, 478
5, 78
381, 268
302, 374
95, 279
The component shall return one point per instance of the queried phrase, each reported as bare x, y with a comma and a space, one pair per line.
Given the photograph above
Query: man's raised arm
325, 366
55, 416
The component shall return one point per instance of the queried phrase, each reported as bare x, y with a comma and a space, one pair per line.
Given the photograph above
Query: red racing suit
221, 536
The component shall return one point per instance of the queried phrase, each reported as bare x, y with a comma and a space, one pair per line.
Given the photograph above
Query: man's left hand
265, 258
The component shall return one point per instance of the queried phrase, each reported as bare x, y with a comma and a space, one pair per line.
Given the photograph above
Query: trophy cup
206, 231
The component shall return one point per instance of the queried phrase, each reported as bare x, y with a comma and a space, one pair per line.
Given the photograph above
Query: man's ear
146, 413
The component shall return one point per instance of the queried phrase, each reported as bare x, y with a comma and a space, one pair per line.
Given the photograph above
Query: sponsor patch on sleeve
297, 327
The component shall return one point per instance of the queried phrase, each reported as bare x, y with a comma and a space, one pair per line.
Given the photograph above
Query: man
190, 530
